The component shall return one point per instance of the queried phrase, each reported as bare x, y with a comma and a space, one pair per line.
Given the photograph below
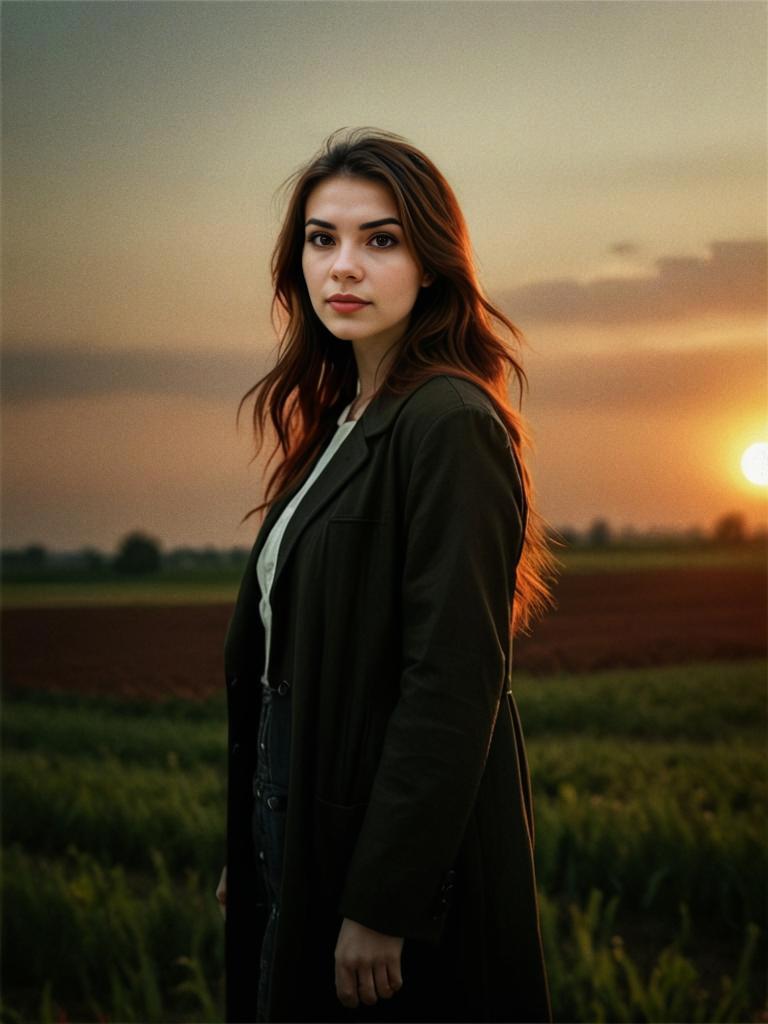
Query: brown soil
603, 620
650, 617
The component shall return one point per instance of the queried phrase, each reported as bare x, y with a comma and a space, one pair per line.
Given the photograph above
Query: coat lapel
345, 462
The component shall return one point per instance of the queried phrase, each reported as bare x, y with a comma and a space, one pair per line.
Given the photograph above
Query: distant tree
694, 534
599, 533
92, 558
138, 554
730, 529
183, 556
35, 555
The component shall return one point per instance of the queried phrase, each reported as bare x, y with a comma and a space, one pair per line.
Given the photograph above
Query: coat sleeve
464, 527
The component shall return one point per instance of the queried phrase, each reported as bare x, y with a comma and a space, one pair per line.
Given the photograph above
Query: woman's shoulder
445, 417
452, 422
438, 398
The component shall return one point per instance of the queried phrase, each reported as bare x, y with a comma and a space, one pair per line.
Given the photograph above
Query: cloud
624, 249
33, 374
650, 380
617, 380
731, 281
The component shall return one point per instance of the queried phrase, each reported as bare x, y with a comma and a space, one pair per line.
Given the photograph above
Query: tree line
140, 553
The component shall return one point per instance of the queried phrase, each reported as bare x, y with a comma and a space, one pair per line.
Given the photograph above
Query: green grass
650, 794
751, 555
59, 587
702, 702
93, 595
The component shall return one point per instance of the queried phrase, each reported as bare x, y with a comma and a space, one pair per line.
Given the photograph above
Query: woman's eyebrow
362, 227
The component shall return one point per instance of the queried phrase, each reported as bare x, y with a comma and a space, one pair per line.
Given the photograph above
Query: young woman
380, 831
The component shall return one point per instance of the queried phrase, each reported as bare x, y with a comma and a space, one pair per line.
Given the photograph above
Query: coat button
262, 856
284, 687
274, 803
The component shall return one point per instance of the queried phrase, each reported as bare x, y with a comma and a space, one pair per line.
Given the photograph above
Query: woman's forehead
350, 200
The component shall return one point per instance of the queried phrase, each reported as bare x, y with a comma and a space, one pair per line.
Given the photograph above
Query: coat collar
345, 462
382, 410
349, 458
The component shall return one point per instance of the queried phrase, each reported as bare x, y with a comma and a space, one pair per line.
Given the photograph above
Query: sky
610, 159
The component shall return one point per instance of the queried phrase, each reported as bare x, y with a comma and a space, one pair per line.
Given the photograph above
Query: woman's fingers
221, 892
366, 989
394, 971
367, 965
381, 977
367, 984
346, 985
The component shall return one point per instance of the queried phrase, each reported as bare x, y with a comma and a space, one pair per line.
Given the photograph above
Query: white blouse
267, 560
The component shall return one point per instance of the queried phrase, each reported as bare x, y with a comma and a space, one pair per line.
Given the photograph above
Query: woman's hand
367, 964
221, 892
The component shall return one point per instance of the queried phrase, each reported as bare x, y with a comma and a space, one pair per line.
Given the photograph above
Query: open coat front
409, 808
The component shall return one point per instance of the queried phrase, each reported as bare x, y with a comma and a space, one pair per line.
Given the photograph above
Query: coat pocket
334, 834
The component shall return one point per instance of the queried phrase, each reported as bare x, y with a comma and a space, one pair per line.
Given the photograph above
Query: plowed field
603, 620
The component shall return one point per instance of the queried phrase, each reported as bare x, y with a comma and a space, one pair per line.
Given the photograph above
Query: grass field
204, 586
650, 795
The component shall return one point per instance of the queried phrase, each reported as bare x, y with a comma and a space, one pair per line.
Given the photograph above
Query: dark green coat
409, 807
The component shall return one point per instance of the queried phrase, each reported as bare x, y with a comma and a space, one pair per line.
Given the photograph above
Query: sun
754, 463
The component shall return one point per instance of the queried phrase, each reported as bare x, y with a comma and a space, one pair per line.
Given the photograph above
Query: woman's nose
346, 264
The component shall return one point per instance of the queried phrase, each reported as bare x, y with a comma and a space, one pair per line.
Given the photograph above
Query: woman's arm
464, 517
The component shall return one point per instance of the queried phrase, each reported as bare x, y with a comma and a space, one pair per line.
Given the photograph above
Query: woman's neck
357, 407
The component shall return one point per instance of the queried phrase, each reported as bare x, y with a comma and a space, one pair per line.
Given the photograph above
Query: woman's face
341, 255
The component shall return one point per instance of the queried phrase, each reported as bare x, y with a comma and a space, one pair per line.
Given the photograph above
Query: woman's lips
347, 307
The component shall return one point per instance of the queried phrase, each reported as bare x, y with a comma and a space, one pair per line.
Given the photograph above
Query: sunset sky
611, 162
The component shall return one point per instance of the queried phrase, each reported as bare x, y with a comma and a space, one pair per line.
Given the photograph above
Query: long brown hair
450, 331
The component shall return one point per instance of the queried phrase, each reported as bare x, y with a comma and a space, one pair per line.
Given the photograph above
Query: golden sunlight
754, 463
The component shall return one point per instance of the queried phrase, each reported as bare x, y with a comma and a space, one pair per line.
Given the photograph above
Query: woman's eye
321, 234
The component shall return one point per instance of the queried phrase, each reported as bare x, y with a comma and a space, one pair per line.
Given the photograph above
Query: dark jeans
270, 789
